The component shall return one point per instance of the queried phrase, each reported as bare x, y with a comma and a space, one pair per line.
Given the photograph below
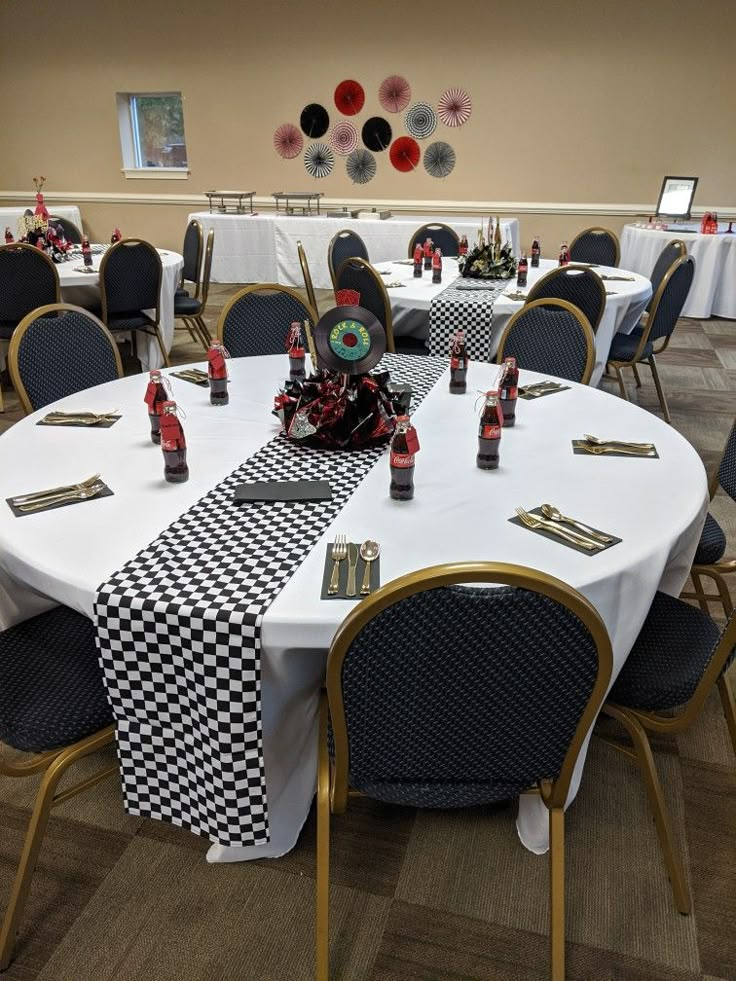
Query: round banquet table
713, 292
83, 289
411, 302
459, 513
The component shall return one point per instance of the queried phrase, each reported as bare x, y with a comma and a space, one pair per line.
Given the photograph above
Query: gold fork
626, 450
53, 491
338, 554
532, 521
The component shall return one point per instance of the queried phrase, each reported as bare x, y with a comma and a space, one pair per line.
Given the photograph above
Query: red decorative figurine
489, 432
174, 446
41, 209
154, 398
217, 371
404, 446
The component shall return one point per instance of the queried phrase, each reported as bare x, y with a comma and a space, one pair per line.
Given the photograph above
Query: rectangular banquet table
261, 248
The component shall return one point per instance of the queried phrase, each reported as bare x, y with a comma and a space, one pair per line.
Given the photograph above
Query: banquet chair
443, 237
130, 284
576, 284
359, 275
708, 560
345, 245
190, 309
59, 350
71, 232
628, 350
256, 320
192, 251
597, 245
308, 285
552, 337
52, 705
431, 702
666, 258
679, 655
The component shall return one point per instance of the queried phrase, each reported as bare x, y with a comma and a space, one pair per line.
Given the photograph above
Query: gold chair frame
308, 285
332, 780
194, 322
388, 321
154, 330
646, 330
563, 305
563, 271
638, 722
263, 288
335, 237
600, 230
426, 229
28, 322
54, 765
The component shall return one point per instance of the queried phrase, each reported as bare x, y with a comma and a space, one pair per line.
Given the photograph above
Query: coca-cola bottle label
490, 431
402, 461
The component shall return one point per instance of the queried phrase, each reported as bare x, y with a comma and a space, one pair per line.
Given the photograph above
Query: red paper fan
454, 107
394, 93
405, 154
349, 97
288, 141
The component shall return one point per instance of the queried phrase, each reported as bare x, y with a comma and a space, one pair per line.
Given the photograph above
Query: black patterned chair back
130, 277
359, 275
308, 285
443, 237
256, 321
192, 252
345, 245
71, 232
670, 299
666, 258
28, 279
551, 337
727, 466
597, 245
59, 350
457, 695
579, 286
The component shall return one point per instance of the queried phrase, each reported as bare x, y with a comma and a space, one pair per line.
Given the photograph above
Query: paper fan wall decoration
361, 166
343, 138
439, 159
405, 154
420, 121
454, 107
376, 134
288, 141
314, 120
394, 93
319, 160
349, 97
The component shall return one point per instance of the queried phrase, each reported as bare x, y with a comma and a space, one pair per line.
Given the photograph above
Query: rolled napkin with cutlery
595, 446
100, 420
56, 497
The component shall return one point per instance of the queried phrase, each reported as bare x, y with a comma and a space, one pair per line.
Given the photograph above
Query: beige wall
577, 101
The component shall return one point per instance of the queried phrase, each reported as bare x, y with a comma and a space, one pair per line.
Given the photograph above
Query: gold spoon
369, 552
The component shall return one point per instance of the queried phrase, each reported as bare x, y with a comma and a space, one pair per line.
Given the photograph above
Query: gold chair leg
204, 330
658, 805
729, 708
700, 592
192, 333
557, 893
660, 393
637, 379
723, 592
621, 382
322, 925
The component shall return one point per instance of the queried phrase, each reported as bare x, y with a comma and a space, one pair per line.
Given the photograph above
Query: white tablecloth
262, 248
83, 289
713, 292
66, 554
9, 216
410, 304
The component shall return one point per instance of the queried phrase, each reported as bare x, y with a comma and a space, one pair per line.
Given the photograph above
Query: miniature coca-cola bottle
297, 354
155, 397
489, 433
86, 253
404, 445
509, 391
523, 269
418, 261
462, 248
217, 371
437, 266
8, 236
428, 250
564, 254
536, 252
458, 364
116, 236
174, 446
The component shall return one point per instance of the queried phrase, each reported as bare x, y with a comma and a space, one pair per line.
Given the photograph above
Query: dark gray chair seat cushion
186, 306
135, 320
712, 544
623, 346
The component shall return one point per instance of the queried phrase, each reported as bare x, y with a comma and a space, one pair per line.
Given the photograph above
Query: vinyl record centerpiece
349, 340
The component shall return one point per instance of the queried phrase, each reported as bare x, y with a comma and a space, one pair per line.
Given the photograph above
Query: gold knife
626, 450
352, 589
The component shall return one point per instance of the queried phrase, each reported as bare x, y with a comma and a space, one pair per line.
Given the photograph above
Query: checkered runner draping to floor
178, 631
466, 304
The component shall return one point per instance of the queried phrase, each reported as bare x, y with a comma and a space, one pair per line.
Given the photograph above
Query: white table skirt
262, 248
410, 304
83, 289
64, 555
713, 292
9, 216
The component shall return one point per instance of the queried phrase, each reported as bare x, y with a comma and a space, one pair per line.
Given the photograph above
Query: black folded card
283, 490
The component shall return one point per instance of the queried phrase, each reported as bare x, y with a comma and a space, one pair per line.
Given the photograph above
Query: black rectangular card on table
283, 490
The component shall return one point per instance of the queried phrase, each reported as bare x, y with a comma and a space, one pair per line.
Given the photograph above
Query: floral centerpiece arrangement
37, 228
489, 259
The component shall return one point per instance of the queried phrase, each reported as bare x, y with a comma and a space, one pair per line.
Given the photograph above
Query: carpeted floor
416, 896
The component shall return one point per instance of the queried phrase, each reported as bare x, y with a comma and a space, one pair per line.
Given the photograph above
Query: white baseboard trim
198, 202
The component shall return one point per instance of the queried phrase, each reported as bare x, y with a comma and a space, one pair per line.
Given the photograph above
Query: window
152, 134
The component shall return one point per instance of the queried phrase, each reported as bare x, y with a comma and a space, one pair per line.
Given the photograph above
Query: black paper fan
376, 134
420, 120
361, 166
439, 159
319, 160
314, 120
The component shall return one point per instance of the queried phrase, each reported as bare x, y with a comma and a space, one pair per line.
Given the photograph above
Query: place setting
351, 570
58, 497
197, 376
81, 419
549, 522
595, 446
538, 390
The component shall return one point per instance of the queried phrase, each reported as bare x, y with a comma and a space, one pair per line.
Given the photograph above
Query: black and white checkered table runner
178, 632
466, 304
